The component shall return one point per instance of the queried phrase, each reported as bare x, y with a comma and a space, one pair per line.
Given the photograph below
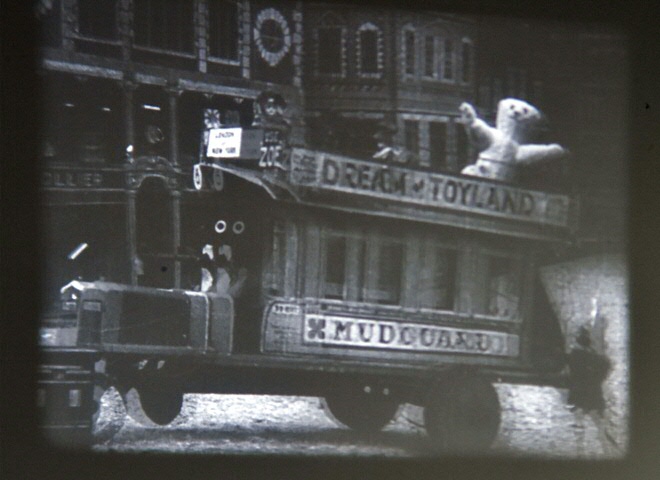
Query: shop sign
78, 179
342, 174
350, 332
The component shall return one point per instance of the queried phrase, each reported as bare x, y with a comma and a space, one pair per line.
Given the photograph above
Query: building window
164, 24
92, 108
409, 54
466, 61
330, 51
224, 29
438, 144
369, 51
411, 135
98, 19
448, 60
429, 56
330, 46
436, 280
151, 122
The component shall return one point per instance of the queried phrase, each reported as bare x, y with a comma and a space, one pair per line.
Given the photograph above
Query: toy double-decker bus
369, 285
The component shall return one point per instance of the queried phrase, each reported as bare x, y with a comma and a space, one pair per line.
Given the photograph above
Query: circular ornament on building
272, 36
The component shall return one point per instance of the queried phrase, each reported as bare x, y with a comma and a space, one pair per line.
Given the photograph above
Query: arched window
331, 46
370, 51
409, 53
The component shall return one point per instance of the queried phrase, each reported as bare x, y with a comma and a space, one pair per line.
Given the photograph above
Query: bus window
383, 277
435, 279
503, 287
275, 264
335, 267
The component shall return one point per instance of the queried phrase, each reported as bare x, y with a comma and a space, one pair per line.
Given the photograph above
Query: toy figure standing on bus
503, 149
270, 109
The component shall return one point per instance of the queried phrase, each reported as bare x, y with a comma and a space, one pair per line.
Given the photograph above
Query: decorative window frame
380, 61
331, 20
272, 14
407, 29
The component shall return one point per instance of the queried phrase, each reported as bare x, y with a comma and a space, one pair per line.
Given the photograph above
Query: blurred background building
127, 84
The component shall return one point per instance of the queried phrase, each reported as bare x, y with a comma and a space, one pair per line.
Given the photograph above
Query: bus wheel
364, 410
198, 177
153, 405
462, 414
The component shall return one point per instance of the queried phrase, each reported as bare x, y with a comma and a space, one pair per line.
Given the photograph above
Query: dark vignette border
23, 457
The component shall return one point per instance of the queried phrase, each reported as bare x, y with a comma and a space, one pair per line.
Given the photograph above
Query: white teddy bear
503, 149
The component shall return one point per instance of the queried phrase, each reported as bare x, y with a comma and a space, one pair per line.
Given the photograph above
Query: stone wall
593, 291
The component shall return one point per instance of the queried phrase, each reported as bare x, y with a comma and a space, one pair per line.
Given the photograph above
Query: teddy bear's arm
530, 154
480, 132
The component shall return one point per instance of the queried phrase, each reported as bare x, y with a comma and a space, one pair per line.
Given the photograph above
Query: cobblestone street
535, 423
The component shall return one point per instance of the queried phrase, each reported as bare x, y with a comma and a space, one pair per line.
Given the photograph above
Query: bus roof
335, 182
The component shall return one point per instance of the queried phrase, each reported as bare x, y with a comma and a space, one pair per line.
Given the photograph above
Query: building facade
388, 77
127, 87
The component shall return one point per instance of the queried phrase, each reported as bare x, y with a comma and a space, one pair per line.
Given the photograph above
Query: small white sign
224, 143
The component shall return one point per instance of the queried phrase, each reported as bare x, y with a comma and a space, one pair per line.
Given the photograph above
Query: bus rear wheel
365, 409
153, 405
462, 414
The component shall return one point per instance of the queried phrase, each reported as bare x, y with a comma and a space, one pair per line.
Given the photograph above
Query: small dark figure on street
588, 370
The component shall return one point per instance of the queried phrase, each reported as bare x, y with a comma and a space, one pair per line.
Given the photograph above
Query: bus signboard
410, 187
